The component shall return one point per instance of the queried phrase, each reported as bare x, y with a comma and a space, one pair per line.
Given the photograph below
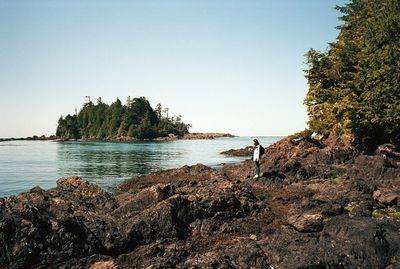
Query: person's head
255, 142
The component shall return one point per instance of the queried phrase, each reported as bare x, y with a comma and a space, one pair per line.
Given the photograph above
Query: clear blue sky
227, 65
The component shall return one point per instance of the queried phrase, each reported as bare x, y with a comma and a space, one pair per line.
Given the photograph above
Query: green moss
349, 208
337, 180
387, 213
393, 260
333, 180
376, 214
394, 214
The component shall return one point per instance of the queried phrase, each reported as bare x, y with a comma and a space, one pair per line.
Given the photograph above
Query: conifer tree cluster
135, 119
354, 87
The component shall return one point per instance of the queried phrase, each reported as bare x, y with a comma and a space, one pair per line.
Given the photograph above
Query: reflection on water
24, 164
108, 163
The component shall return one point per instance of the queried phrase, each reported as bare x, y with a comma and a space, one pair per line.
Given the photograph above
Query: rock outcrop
317, 205
190, 136
243, 152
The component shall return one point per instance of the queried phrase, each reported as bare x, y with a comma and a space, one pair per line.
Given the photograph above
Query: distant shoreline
190, 136
31, 138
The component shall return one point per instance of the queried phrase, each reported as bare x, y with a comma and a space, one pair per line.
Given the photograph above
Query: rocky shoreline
171, 137
317, 205
196, 136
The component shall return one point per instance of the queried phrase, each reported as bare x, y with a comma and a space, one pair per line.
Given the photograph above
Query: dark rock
274, 176
238, 253
244, 152
340, 245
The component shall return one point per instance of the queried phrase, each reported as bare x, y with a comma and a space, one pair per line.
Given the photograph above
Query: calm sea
25, 164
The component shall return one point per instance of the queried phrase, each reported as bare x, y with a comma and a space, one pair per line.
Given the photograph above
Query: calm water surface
25, 164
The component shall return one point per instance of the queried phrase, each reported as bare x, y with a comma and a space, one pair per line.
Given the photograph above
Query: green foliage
302, 134
376, 214
354, 87
349, 208
68, 127
136, 119
393, 213
386, 212
144, 130
335, 180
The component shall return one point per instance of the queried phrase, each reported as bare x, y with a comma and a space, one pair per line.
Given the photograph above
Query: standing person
258, 151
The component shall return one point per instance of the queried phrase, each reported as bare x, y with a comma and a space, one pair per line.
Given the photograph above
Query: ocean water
25, 164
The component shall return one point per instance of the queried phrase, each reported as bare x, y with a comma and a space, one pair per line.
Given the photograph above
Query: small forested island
328, 197
134, 120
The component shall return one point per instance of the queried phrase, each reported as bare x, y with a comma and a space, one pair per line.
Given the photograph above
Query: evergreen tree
158, 110
354, 87
114, 118
68, 127
122, 129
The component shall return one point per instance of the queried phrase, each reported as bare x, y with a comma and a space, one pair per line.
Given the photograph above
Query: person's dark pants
257, 165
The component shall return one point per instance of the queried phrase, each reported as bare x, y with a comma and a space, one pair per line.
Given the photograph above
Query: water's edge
25, 164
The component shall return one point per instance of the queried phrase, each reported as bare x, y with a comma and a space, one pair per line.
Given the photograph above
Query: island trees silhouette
135, 119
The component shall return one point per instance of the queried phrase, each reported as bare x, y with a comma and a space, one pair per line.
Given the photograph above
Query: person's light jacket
256, 153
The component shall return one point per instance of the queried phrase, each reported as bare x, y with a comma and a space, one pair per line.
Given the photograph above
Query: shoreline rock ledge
317, 205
